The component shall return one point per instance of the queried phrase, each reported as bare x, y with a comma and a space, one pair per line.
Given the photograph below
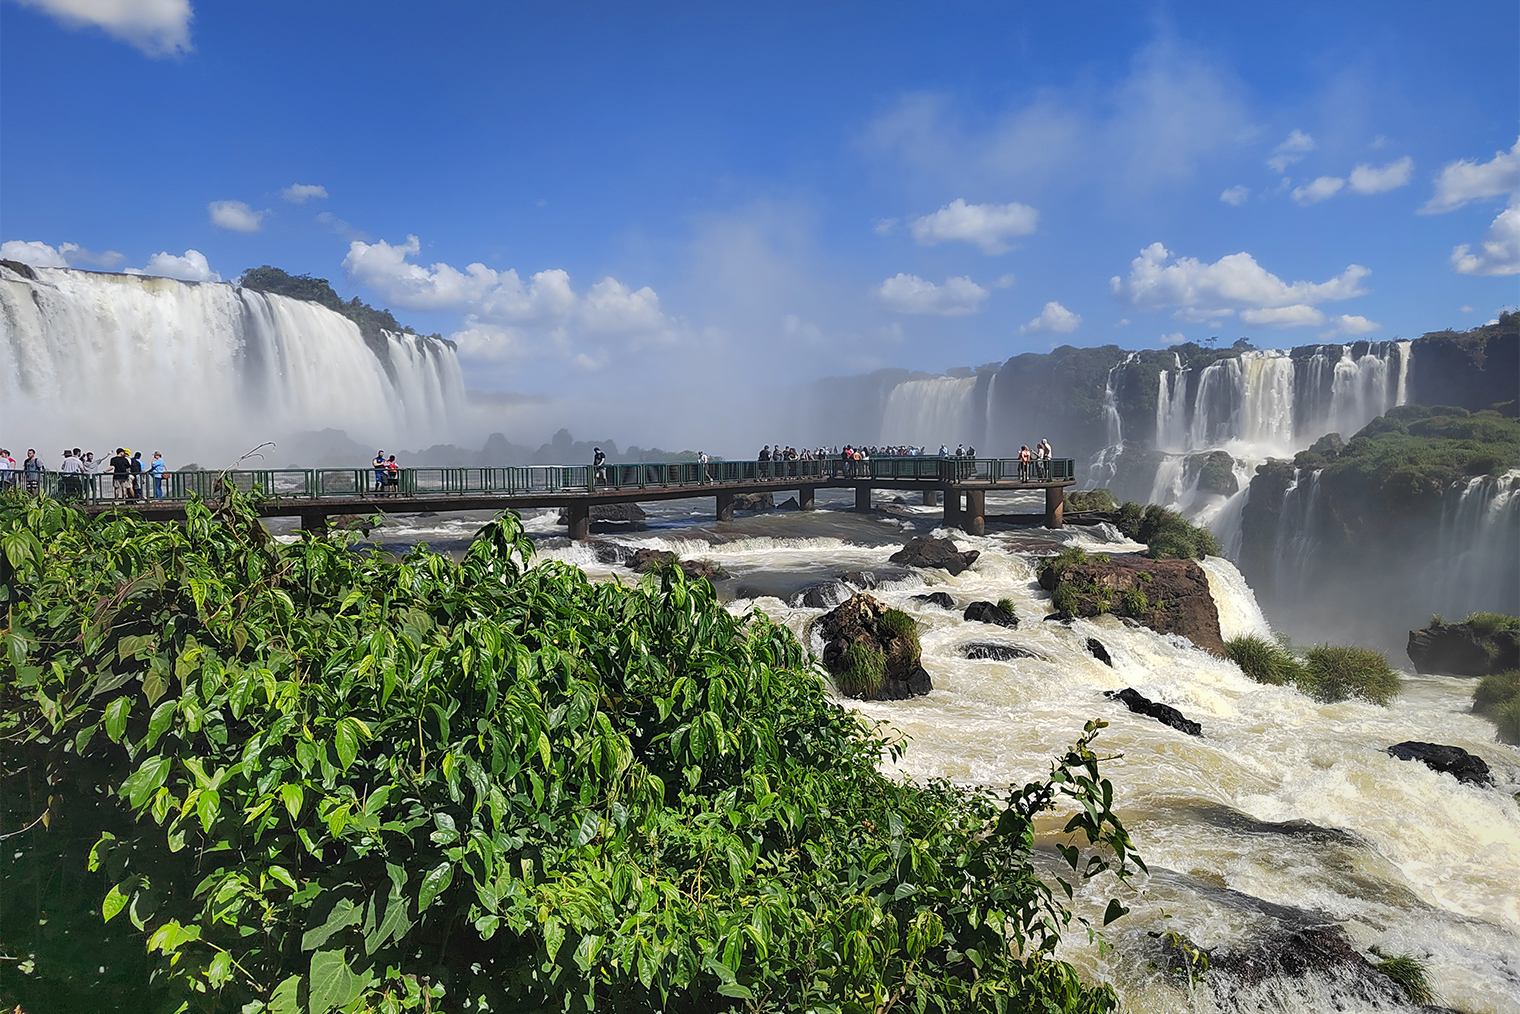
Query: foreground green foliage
246, 776
1498, 697
1327, 673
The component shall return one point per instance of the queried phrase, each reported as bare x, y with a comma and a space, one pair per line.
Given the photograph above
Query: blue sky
603, 195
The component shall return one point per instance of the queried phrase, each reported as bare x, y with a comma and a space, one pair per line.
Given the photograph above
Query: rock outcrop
1163, 713
990, 612
923, 551
1168, 596
823, 595
630, 513
941, 599
998, 652
754, 502
1451, 760
1295, 953
644, 560
1460, 649
1096, 650
862, 621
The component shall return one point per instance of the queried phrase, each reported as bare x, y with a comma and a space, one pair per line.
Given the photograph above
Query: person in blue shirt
380, 470
156, 469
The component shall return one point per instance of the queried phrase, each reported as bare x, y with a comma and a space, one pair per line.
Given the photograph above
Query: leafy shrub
865, 666
1092, 500
1264, 661
1498, 696
307, 778
1336, 673
1167, 534
1507, 717
1053, 568
1489, 624
1135, 602
1409, 973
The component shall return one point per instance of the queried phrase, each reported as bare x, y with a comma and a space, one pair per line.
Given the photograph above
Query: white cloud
912, 294
612, 307
1298, 315
1464, 181
76, 255
1233, 281
1054, 319
1175, 338
236, 215
33, 252
300, 193
1349, 324
988, 226
1201, 315
1466, 309
1290, 151
1367, 180
156, 27
1321, 189
1499, 251
192, 267
884, 226
332, 223
1236, 195
1004, 282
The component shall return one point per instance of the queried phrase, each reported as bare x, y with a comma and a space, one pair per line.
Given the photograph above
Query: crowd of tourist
129, 473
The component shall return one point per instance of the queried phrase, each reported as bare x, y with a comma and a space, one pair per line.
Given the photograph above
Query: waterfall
1477, 558
1297, 535
929, 412
989, 434
1105, 463
98, 360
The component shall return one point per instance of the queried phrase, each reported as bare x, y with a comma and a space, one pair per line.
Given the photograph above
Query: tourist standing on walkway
599, 465
1043, 449
7, 470
157, 471
379, 464
121, 475
1024, 458
702, 466
72, 484
33, 469
137, 471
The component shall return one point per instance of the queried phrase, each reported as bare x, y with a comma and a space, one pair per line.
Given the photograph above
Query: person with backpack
33, 469
599, 465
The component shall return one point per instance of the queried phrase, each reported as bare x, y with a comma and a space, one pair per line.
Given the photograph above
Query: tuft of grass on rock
865, 667
1409, 973
1007, 606
1066, 599
1264, 661
1135, 602
1091, 500
1489, 624
1498, 697
1335, 673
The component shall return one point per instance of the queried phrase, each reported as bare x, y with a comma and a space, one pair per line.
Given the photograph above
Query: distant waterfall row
96, 360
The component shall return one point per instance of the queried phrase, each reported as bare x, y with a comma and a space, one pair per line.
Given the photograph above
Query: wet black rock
1451, 760
990, 612
789, 504
1096, 650
941, 599
624, 512
998, 652
1458, 649
1311, 950
865, 580
922, 551
1163, 713
823, 595
756, 502
859, 620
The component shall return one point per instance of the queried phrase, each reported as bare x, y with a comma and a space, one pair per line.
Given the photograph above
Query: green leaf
116, 718
1115, 911
591, 823
145, 781
438, 878
343, 915
281, 874
287, 997
207, 807
333, 983
347, 742
116, 899
163, 717
292, 796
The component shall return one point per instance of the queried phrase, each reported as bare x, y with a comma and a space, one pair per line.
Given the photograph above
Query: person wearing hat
380, 470
121, 475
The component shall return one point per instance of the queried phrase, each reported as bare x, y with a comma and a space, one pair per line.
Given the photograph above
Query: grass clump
1007, 606
1092, 500
1135, 602
1489, 624
1335, 673
1053, 568
1409, 973
1264, 661
1066, 599
865, 666
1498, 697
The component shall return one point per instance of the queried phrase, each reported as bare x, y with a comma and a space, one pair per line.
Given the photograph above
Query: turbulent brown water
1286, 812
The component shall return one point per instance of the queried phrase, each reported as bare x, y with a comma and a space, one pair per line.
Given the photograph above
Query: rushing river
1285, 813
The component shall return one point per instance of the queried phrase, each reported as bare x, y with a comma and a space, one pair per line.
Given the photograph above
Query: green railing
526, 480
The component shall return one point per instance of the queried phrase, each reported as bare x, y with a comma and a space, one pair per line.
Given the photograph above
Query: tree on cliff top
318, 290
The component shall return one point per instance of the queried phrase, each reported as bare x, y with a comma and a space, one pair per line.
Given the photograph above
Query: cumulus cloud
1054, 319
1157, 279
1349, 324
1464, 181
33, 252
1321, 189
1291, 150
987, 226
1236, 195
77, 255
1297, 315
1499, 251
911, 294
300, 193
1367, 180
191, 267
156, 27
884, 226
236, 215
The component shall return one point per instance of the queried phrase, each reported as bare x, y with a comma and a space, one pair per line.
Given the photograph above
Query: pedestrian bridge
315, 494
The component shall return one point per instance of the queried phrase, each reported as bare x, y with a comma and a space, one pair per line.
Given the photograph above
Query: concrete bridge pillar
863, 499
578, 513
1055, 506
314, 521
806, 496
952, 508
976, 512
931, 498
725, 506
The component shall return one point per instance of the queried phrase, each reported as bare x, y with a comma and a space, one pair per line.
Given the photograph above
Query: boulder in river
1096, 650
1168, 596
865, 580
1464, 649
622, 512
998, 652
872, 651
644, 560
822, 595
756, 502
1310, 950
1451, 760
923, 551
941, 599
990, 612
1163, 713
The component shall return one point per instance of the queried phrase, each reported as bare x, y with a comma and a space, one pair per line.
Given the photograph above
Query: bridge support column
1055, 506
931, 498
952, 508
725, 506
578, 513
976, 512
314, 522
806, 496
863, 499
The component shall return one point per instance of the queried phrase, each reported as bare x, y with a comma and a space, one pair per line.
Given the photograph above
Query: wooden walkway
314, 495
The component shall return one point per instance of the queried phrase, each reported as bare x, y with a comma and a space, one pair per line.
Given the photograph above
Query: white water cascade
1105, 462
1477, 560
97, 360
927, 413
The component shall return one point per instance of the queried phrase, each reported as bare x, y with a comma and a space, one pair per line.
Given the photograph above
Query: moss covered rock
1169, 596
872, 651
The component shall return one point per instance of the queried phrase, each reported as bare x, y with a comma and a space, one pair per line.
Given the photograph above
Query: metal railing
524, 480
